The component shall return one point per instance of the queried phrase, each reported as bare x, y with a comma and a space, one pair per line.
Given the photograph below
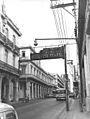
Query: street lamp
35, 43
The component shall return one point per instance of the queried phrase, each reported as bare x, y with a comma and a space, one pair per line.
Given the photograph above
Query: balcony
36, 78
8, 68
6, 42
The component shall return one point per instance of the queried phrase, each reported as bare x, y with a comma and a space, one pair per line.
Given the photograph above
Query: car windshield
11, 115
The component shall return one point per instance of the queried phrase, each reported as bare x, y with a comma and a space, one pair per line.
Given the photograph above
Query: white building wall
10, 55
28, 51
11, 33
16, 62
10, 58
88, 73
27, 68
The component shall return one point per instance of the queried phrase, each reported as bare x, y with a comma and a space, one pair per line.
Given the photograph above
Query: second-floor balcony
6, 42
36, 78
8, 68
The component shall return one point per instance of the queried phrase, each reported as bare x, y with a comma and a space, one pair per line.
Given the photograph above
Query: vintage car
7, 111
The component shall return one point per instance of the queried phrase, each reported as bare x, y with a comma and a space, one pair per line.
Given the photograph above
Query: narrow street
44, 109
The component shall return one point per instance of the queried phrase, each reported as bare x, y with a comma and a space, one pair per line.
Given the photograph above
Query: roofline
27, 47
10, 23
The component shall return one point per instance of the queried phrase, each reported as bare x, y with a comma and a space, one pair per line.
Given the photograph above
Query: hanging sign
49, 53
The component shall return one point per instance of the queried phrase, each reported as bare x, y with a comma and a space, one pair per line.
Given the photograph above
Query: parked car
61, 94
49, 96
7, 111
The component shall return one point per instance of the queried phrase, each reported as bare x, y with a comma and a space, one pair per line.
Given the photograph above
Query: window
13, 60
7, 33
14, 40
34, 70
37, 72
23, 53
31, 69
23, 69
10, 115
6, 56
3, 27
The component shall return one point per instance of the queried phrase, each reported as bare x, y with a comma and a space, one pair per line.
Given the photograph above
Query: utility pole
66, 76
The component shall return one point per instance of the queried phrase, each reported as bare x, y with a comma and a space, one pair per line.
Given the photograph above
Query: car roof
5, 107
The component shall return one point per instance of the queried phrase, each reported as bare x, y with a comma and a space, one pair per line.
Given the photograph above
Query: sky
35, 19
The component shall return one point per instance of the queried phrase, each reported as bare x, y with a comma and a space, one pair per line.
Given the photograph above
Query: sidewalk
74, 112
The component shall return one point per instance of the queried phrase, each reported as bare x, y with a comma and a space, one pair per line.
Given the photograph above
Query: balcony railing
8, 43
8, 68
34, 77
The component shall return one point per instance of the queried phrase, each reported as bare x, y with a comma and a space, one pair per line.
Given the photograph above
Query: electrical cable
56, 22
59, 23
63, 23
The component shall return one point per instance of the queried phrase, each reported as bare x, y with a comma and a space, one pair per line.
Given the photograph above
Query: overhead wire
59, 23
56, 22
62, 21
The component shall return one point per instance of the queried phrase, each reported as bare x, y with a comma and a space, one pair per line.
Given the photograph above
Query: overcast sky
35, 19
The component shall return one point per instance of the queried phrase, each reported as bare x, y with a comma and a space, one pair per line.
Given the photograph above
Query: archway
13, 90
5, 90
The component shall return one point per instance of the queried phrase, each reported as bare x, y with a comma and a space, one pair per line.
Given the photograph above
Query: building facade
9, 56
60, 81
83, 42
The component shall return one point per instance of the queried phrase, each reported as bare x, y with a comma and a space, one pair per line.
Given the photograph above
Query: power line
59, 22
56, 22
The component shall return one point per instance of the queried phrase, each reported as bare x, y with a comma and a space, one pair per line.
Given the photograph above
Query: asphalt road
43, 109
